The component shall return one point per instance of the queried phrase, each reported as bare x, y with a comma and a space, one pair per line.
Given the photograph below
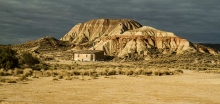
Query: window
78, 55
86, 56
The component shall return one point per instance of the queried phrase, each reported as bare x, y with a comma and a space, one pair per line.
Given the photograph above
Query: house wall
98, 56
84, 57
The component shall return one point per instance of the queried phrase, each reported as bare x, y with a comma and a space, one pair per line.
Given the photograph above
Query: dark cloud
24, 20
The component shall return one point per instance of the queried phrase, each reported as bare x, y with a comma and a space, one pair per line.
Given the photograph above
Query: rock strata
121, 37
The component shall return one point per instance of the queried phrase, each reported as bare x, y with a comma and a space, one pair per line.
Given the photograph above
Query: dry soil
188, 88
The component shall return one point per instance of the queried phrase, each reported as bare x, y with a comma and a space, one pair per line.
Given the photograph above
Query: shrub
129, 72
28, 59
156, 73
17, 71
27, 72
68, 77
10, 72
5, 80
138, 72
148, 72
112, 72
94, 76
23, 77
177, 71
55, 79
118, 71
8, 58
37, 74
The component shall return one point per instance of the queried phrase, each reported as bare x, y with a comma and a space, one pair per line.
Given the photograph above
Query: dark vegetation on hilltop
9, 58
47, 43
214, 46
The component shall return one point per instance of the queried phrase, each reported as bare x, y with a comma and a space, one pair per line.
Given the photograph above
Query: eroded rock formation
120, 37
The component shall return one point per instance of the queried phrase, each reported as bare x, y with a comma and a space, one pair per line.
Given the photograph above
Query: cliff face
93, 29
123, 36
144, 40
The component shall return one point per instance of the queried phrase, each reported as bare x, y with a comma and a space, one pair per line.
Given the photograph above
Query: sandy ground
188, 88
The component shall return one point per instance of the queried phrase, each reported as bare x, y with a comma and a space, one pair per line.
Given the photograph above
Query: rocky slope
122, 37
47, 43
93, 29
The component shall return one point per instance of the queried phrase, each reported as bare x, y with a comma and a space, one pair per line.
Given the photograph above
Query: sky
24, 20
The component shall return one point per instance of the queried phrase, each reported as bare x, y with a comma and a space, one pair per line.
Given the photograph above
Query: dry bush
177, 71
113, 77
17, 71
100, 71
27, 72
76, 77
48, 73
37, 74
165, 72
213, 71
7, 80
62, 74
118, 71
147, 72
68, 77
129, 72
105, 71
92, 72
10, 72
23, 77
156, 73
138, 71
94, 76
74, 72
112, 72
11, 81
55, 79
3, 72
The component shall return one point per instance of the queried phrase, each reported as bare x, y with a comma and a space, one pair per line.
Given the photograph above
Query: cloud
22, 20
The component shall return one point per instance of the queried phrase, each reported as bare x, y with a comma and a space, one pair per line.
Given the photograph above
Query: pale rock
120, 37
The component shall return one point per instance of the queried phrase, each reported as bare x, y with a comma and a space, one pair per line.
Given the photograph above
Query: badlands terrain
143, 65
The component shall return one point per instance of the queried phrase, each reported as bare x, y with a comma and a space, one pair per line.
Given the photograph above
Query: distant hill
47, 43
120, 37
214, 46
117, 37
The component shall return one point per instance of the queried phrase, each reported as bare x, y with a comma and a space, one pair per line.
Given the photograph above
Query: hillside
121, 37
47, 43
214, 46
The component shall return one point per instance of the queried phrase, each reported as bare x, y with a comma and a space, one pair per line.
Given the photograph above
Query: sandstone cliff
121, 37
93, 29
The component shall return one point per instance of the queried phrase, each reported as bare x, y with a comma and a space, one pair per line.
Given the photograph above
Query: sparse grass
213, 71
27, 72
7, 80
178, 71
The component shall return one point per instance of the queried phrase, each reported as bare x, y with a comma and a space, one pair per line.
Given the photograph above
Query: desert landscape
110, 61
190, 87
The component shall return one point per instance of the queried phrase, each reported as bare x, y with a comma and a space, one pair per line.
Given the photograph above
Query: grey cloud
22, 20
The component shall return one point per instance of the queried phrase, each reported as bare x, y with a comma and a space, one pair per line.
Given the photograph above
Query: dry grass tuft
27, 72
177, 71
7, 80
17, 71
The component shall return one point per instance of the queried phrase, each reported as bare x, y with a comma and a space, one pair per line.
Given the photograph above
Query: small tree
28, 59
8, 58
